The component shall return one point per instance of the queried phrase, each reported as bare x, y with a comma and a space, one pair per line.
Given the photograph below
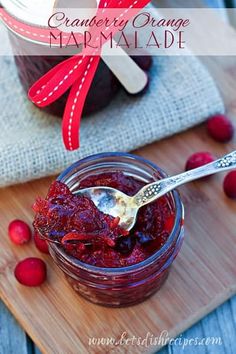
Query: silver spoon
113, 202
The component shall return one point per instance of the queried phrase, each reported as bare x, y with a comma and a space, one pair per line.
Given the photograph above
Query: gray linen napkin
181, 95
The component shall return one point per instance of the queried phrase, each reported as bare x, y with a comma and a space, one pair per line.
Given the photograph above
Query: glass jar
31, 66
34, 59
129, 285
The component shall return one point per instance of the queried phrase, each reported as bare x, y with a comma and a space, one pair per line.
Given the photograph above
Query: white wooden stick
124, 68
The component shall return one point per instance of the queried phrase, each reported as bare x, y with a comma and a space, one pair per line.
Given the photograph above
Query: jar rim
179, 216
28, 12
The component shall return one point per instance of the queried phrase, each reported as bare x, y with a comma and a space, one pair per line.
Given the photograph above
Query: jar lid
30, 11
33, 12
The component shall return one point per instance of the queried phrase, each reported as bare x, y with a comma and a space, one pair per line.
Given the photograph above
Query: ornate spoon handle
155, 190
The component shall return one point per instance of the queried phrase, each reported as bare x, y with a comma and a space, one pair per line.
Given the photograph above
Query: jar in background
31, 66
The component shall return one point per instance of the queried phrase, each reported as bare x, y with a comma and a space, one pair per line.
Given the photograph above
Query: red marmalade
94, 238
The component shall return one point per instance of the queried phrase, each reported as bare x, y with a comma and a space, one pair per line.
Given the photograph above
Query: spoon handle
155, 190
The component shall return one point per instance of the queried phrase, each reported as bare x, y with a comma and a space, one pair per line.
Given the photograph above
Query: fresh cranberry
199, 159
230, 184
41, 244
19, 232
31, 272
125, 244
220, 128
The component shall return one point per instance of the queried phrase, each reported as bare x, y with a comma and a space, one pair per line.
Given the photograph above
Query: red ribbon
77, 73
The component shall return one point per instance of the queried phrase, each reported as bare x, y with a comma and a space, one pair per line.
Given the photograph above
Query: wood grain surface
203, 275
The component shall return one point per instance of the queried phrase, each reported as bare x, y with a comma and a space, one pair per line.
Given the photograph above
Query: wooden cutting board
202, 277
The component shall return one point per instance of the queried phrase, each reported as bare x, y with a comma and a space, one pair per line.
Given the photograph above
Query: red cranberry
220, 128
31, 272
199, 159
125, 244
143, 238
41, 244
230, 184
19, 232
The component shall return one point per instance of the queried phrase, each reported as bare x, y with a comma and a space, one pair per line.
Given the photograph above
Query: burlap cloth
181, 95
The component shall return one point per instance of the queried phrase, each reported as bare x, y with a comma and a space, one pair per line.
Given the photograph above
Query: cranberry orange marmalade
94, 238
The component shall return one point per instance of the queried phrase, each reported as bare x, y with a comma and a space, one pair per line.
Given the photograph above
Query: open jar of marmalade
138, 264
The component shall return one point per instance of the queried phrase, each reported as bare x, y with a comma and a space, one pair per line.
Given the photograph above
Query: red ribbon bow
76, 74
